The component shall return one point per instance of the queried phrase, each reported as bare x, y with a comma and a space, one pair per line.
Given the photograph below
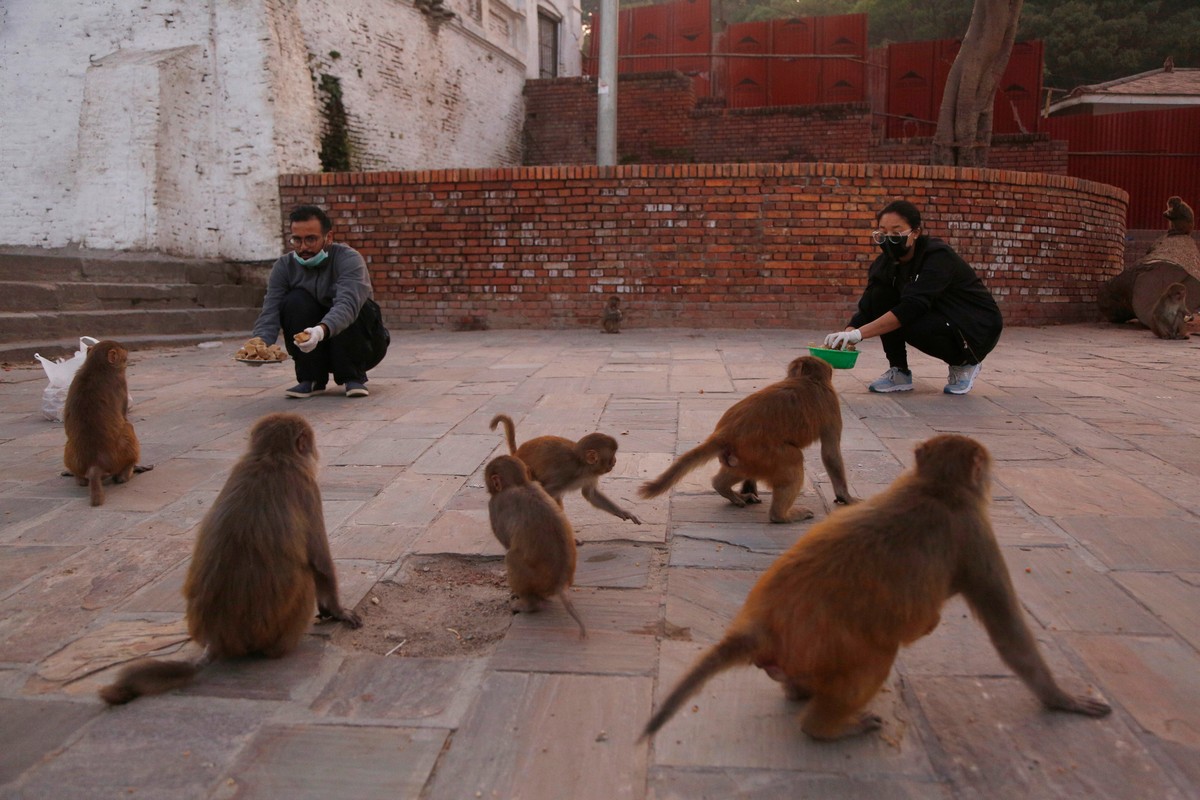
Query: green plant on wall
335, 140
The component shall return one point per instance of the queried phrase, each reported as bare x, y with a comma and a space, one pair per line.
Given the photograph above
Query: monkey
261, 562
1180, 215
100, 438
537, 537
762, 436
829, 616
612, 315
561, 465
1170, 316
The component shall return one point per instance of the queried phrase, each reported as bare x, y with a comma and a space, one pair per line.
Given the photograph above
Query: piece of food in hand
301, 337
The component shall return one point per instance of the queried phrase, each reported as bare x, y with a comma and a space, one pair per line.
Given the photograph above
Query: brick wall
660, 122
727, 245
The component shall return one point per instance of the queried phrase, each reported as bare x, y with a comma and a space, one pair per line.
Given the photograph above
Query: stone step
68, 266
25, 296
18, 329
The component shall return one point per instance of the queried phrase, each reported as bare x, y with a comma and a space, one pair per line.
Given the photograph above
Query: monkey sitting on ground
762, 436
1180, 215
260, 564
536, 534
828, 617
1169, 318
561, 465
612, 315
100, 437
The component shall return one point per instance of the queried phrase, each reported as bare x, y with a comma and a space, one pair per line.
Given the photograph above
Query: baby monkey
611, 322
828, 617
261, 562
536, 534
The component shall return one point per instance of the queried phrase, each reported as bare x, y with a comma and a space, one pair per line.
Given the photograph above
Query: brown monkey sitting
1169, 317
1180, 215
536, 534
762, 436
260, 564
828, 617
100, 438
611, 322
561, 465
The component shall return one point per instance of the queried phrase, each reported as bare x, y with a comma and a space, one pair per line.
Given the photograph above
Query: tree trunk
964, 129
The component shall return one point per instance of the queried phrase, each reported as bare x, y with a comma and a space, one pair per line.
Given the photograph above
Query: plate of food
838, 359
257, 352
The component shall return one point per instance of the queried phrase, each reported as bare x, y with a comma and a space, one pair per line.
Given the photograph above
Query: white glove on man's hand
840, 341
315, 335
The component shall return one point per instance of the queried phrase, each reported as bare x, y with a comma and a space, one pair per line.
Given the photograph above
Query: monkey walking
561, 465
1169, 317
537, 537
260, 564
762, 436
611, 321
100, 438
828, 617
1179, 215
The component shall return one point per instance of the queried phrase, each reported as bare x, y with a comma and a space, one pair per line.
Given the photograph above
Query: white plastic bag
61, 373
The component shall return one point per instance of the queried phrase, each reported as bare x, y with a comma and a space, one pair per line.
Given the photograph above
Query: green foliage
335, 141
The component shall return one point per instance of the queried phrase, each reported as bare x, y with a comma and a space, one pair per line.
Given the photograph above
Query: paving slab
1095, 493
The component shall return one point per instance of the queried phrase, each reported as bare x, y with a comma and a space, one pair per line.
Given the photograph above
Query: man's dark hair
905, 209
305, 213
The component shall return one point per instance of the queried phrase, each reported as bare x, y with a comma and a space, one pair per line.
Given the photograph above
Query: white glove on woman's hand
840, 341
315, 335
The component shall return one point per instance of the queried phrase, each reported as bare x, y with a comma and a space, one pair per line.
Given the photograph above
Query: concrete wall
704, 245
165, 124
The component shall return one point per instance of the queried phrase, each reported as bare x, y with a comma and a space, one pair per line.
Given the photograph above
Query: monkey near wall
562, 465
762, 436
536, 534
260, 564
827, 619
611, 321
1180, 216
1169, 317
100, 438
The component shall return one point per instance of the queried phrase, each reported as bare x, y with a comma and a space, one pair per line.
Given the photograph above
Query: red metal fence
1150, 154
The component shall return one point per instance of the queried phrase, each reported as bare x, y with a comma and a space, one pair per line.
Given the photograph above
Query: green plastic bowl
838, 359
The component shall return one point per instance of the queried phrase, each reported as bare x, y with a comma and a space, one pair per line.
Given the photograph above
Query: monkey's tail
510, 432
734, 649
566, 601
150, 677
95, 488
682, 466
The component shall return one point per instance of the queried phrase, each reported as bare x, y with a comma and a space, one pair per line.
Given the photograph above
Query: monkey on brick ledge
920, 292
320, 295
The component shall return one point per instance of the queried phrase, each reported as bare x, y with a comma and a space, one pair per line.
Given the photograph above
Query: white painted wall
165, 124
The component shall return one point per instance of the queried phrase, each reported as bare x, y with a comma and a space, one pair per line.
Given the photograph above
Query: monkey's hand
840, 341
631, 517
350, 618
315, 335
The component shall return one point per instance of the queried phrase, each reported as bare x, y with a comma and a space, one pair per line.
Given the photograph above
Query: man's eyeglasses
878, 237
308, 241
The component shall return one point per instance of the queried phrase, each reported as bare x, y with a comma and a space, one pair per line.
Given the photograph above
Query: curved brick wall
705, 245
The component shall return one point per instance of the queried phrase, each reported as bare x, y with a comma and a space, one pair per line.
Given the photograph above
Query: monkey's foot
140, 468
1082, 704
826, 731
798, 514
751, 498
526, 605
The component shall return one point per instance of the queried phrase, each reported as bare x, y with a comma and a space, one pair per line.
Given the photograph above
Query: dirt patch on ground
435, 606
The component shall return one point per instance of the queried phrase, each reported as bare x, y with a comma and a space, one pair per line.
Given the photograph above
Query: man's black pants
347, 355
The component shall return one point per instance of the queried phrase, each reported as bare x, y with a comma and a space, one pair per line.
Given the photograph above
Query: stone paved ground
1095, 503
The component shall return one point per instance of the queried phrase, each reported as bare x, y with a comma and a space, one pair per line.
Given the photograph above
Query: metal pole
606, 87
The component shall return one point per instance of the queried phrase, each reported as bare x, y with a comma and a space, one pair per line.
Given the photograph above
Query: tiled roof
1158, 82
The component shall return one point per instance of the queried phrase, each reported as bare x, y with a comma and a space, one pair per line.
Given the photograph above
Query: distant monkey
828, 617
1180, 215
536, 534
612, 315
561, 465
762, 436
100, 438
1169, 318
260, 565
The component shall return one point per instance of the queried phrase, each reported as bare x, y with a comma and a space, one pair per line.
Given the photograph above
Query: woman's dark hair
905, 209
305, 213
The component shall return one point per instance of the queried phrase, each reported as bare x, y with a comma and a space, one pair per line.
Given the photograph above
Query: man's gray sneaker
894, 380
961, 379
